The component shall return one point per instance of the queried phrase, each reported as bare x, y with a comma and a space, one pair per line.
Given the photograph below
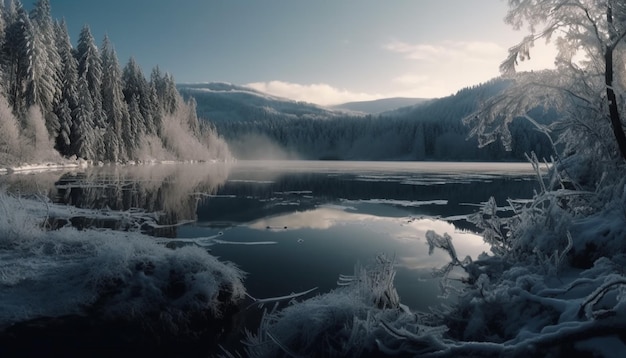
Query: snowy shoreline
29, 168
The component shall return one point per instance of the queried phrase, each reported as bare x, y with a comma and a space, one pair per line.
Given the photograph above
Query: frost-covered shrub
186, 140
35, 137
151, 149
106, 274
9, 134
137, 278
25, 143
343, 322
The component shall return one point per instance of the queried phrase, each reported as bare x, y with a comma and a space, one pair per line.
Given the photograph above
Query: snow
319, 325
116, 275
35, 168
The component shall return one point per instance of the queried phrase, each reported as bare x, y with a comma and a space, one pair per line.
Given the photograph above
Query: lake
297, 225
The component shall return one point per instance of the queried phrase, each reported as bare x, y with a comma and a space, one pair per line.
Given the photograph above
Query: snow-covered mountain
220, 101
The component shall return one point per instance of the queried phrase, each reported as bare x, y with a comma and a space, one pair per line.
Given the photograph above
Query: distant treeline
56, 100
429, 131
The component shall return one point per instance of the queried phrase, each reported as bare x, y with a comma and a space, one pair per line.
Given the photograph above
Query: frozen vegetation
105, 275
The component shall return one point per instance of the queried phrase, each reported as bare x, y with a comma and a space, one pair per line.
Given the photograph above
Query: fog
259, 147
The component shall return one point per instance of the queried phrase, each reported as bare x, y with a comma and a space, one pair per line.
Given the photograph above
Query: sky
318, 51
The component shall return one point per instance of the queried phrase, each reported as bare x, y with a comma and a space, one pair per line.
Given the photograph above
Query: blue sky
321, 51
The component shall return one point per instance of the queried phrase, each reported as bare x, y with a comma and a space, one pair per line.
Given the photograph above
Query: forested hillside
257, 126
226, 102
59, 101
380, 105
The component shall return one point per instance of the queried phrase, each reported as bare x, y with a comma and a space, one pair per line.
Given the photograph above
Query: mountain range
221, 101
257, 125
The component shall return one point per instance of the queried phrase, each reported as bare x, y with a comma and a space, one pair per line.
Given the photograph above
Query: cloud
411, 79
439, 69
474, 51
433, 70
319, 93
484, 55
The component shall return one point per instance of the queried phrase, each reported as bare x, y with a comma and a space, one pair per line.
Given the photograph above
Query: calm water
295, 225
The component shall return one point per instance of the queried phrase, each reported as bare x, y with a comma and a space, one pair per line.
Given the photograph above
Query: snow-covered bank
34, 168
43, 166
103, 273
27, 168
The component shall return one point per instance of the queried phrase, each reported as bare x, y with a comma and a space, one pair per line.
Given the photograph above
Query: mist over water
260, 147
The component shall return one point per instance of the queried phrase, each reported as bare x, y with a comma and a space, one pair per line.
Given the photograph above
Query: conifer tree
16, 55
90, 68
45, 70
80, 98
83, 137
119, 136
137, 122
68, 90
136, 86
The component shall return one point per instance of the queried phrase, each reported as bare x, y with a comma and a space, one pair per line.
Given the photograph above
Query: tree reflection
171, 191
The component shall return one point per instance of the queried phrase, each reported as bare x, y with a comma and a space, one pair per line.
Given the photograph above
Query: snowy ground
103, 273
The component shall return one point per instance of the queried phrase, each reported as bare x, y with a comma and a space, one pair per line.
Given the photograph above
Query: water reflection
319, 219
410, 232
170, 191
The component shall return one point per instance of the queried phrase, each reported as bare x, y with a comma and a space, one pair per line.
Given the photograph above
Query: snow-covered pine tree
45, 81
170, 96
157, 97
192, 116
137, 122
83, 95
84, 133
69, 92
136, 85
15, 55
119, 127
90, 68
155, 110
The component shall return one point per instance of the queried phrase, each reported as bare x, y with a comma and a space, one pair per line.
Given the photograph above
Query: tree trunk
616, 123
